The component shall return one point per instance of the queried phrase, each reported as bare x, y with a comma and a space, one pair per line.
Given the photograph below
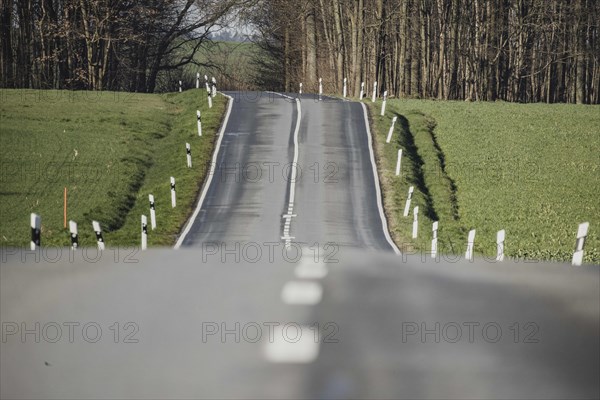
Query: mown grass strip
423, 168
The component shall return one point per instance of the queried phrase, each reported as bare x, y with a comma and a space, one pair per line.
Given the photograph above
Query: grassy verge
529, 169
110, 150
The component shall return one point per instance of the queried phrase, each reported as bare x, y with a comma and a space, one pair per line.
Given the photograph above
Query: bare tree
103, 44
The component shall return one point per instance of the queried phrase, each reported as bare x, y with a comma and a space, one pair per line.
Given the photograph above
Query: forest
480, 50
124, 45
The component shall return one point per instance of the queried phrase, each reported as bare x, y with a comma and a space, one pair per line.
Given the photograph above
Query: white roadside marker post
470, 245
362, 90
144, 232
74, 235
434, 240
98, 231
320, 88
391, 131
415, 230
206, 84
374, 95
300, 92
152, 212
209, 97
582, 232
173, 194
399, 162
345, 87
199, 119
384, 103
500, 245
188, 150
408, 199
180, 89
214, 87
197, 80
36, 229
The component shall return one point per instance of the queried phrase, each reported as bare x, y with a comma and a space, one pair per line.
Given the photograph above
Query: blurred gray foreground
367, 348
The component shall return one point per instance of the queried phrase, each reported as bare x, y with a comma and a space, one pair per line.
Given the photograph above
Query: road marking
292, 345
191, 220
237, 133
377, 188
302, 293
309, 269
294, 173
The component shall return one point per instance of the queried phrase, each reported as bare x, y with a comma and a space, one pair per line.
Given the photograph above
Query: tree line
512, 50
130, 45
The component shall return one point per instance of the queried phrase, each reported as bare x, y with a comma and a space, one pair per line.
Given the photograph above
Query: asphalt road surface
335, 195
382, 327
235, 313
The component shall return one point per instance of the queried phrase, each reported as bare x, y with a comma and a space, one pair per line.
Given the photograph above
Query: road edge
188, 224
382, 215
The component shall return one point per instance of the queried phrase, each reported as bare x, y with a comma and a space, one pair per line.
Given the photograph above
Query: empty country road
332, 201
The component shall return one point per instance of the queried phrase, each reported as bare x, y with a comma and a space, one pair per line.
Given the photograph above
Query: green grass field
531, 169
110, 150
231, 63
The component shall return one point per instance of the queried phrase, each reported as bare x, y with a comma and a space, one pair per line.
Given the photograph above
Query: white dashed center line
302, 292
309, 269
292, 345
